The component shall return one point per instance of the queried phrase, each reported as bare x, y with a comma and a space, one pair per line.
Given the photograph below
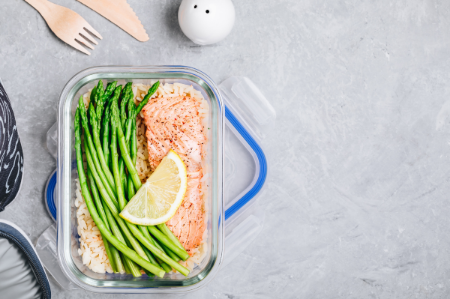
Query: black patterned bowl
11, 154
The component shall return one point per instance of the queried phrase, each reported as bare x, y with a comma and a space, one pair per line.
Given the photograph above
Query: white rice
92, 248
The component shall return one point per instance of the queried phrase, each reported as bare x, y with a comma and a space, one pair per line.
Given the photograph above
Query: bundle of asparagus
111, 170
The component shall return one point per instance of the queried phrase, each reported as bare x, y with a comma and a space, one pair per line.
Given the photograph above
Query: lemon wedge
161, 196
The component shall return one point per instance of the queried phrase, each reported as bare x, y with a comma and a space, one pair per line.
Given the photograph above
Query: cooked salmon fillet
176, 123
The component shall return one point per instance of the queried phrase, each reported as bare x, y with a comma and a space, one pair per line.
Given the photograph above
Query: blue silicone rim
262, 165
49, 195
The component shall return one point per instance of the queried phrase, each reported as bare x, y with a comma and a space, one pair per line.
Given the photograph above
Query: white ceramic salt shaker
206, 22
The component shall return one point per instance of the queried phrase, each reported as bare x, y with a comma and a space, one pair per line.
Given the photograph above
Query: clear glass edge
63, 217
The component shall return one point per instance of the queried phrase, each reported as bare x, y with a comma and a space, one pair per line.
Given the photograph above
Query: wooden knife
120, 13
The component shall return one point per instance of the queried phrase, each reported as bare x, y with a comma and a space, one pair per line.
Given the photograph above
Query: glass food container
67, 236
247, 115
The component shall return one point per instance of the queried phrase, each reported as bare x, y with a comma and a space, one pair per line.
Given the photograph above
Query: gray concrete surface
357, 202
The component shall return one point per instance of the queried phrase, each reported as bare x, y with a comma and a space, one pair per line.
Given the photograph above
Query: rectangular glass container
67, 236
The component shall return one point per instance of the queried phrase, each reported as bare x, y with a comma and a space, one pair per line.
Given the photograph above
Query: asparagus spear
103, 98
135, 110
93, 211
109, 91
130, 119
110, 202
91, 147
123, 176
165, 266
132, 141
166, 242
113, 209
130, 237
163, 228
130, 188
128, 264
95, 130
114, 154
97, 202
98, 97
126, 97
148, 253
170, 253
115, 121
156, 251
105, 140
128, 127
144, 102
113, 206
93, 93
151, 259
120, 261
127, 270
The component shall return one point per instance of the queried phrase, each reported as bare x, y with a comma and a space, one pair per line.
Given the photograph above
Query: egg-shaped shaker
206, 22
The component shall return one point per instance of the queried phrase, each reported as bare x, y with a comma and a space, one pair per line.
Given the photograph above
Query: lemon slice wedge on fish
161, 196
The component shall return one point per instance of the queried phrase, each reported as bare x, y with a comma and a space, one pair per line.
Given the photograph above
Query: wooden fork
69, 26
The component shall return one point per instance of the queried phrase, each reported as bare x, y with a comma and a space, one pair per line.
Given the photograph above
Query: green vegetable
144, 102
127, 96
112, 208
98, 203
110, 88
170, 253
156, 251
96, 130
166, 242
93, 211
165, 266
123, 177
127, 270
119, 261
98, 99
93, 93
103, 98
92, 149
123, 147
110, 201
105, 138
150, 257
115, 155
165, 230
132, 141
128, 126
129, 236
128, 264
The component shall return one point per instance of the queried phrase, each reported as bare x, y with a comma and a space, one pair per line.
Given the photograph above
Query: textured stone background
357, 201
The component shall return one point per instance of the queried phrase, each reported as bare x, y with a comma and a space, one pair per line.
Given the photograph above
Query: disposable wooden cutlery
120, 13
69, 26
